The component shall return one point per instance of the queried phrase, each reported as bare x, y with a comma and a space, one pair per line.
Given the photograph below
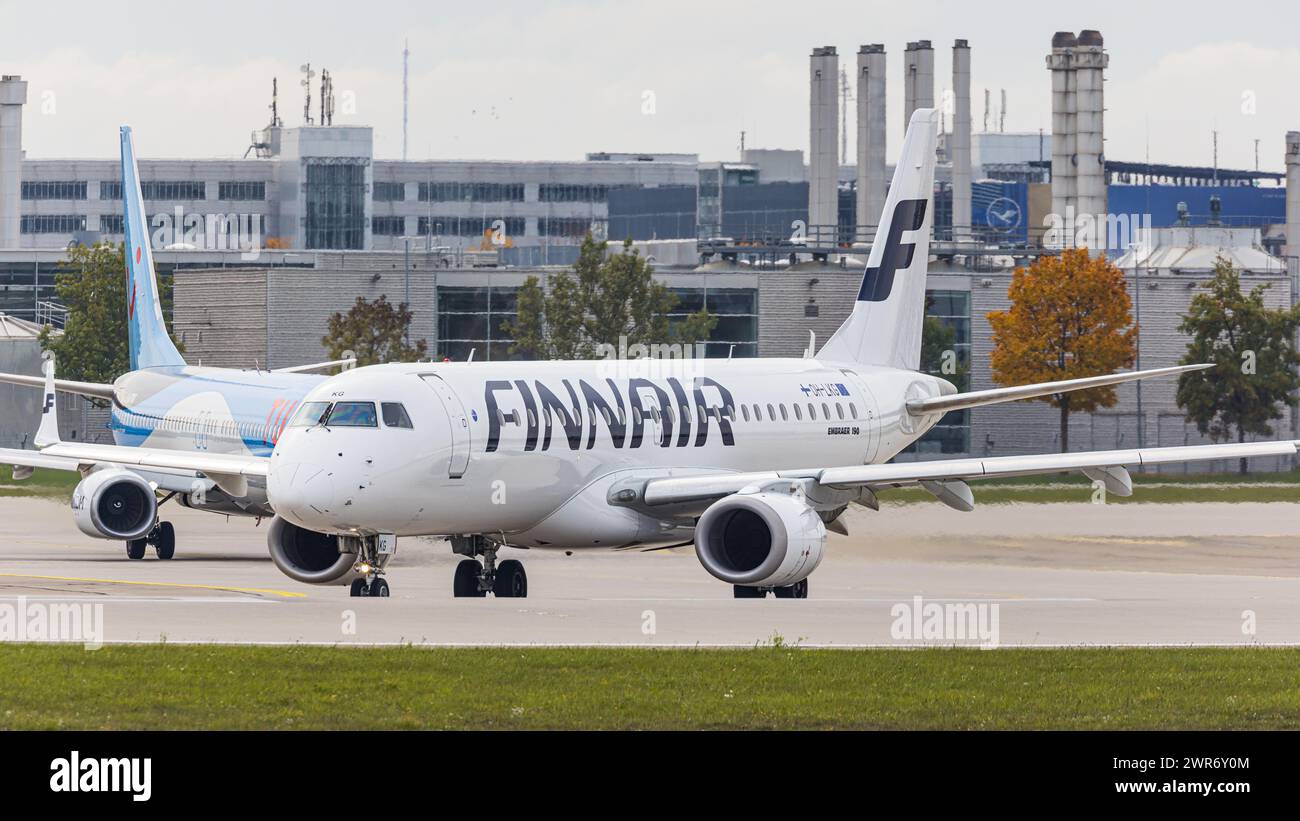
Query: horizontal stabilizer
974, 399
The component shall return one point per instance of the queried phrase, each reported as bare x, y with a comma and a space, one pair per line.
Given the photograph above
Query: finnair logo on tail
909, 215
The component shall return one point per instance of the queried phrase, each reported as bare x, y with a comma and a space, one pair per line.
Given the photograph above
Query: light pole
1137, 310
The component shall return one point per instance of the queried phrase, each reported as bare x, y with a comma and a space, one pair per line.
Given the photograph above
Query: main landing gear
373, 553
162, 537
798, 590
475, 579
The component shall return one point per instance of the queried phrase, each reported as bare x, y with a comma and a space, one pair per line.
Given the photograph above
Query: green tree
374, 332
92, 286
605, 297
1253, 352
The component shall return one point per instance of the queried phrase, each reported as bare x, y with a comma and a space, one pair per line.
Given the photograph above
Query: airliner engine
114, 504
307, 556
760, 539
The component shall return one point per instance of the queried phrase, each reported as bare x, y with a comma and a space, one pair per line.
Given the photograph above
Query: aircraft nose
302, 492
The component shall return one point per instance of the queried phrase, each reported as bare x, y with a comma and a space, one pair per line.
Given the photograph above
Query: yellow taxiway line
288, 594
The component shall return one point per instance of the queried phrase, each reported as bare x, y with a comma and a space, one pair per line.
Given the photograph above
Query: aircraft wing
975, 399
316, 367
95, 389
1108, 466
85, 455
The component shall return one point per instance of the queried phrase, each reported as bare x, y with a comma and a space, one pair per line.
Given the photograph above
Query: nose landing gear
472, 579
373, 553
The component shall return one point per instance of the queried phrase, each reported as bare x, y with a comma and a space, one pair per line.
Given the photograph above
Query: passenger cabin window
352, 415
310, 414
395, 415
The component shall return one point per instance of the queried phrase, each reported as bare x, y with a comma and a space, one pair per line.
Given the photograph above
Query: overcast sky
519, 80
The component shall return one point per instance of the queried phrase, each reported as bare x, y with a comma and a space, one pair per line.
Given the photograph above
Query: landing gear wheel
743, 592
165, 540
135, 548
379, 588
798, 590
359, 588
465, 582
511, 581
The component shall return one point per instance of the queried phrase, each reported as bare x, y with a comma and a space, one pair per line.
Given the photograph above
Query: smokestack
918, 79
1060, 63
871, 136
959, 141
13, 96
823, 163
1293, 195
1090, 60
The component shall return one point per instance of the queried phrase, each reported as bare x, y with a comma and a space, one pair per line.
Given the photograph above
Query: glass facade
387, 226
53, 190
472, 319
170, 190
952, 434
389, 192
52, 223
736, 332
470, 226
241, 191
471, 192
335, 206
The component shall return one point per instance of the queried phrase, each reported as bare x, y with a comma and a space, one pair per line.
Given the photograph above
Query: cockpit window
395, 415
352, 415
310, 414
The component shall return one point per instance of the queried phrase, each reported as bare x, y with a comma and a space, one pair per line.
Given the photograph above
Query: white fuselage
526, 453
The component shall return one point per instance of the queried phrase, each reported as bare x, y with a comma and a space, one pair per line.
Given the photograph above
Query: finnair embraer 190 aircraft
751, 460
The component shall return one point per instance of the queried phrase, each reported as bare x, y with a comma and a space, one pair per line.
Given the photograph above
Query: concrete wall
20, 407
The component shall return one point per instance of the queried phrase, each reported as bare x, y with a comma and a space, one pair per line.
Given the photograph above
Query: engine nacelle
307, 556
760, 539
114, 504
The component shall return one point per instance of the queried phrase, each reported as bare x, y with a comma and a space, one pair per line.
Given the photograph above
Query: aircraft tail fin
151, 345
885, 325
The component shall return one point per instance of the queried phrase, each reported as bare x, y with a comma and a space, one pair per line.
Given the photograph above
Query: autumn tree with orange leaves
1069, 318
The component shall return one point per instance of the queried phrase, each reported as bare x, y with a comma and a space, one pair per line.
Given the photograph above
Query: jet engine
760, 539
114, 504
307, 556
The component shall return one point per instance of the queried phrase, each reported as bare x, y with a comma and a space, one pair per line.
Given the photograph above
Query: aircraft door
868, 415
459, 422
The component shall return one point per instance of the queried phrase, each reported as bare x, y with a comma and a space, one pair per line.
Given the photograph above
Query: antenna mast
406, 91
307, 74
326, 98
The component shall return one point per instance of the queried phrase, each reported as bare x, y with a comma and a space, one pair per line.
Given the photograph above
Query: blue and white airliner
751, 460
185, 432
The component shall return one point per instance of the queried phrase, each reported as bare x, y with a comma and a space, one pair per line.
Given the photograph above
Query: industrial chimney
823, 162
1061, 63
13, 95
918, 79
959, 141
1090, 60
871, 137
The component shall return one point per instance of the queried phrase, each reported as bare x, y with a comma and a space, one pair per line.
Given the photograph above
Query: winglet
48, 433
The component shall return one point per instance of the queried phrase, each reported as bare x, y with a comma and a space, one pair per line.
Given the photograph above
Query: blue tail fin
151, 346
